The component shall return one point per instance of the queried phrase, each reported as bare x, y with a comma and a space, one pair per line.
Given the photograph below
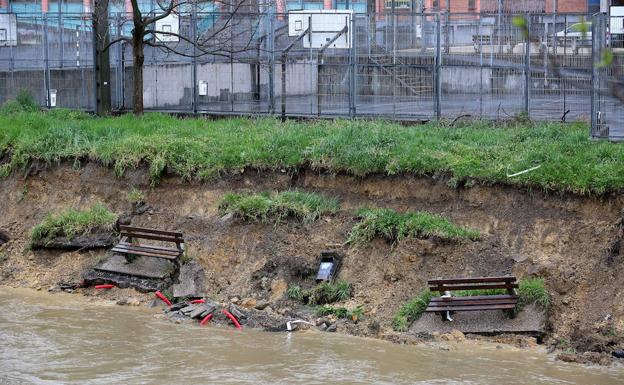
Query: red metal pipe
206, 319
107, 286
198, 301
230, 316
163, 298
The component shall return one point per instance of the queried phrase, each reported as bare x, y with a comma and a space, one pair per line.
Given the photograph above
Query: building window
471, 5
398, 3
435, 4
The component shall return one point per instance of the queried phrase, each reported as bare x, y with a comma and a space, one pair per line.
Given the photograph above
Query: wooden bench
130, 246
444, 304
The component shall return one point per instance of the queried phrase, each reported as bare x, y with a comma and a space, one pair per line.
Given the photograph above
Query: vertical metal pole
46, 60
271, 48
480, 67
283, 93
353, 68
61, 29
527, 67
437, 71
232, 91
194, 63
394, 63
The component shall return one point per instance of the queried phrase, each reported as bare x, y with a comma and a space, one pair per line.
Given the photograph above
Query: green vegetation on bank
201, 148
322, 294
530, 291
72, 222
394, 226
304, 206
341, 312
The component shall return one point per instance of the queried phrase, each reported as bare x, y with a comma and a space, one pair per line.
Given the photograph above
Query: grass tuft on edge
411, 311
304, 206
533, 291
72, 222
395, 226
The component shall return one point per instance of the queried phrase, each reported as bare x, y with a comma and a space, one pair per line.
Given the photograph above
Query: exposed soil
573, 242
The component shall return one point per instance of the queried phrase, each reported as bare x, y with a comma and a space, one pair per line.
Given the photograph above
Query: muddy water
66, 339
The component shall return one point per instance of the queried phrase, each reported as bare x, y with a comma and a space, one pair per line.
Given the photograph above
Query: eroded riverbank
68, 339
567, 240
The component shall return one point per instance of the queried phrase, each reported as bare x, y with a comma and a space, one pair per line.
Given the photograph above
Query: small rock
261, 305
122, 302
332, 328
249, 302
565, 301
322, 327
227, 217
444, 347
618, 353
235, 300
134, 302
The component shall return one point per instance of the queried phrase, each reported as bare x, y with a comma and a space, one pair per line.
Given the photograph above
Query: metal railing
405, 66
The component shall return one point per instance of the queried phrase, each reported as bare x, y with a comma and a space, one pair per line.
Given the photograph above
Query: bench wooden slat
474, 302
146, 230
473, 287
146, 254
475, 297
131, 249
152, 247
471, 280
469, 308
154, 237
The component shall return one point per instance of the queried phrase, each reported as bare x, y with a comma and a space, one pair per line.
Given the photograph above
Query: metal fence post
353, 69
527, 67
437, 88
194, 61
271, 48
46, 76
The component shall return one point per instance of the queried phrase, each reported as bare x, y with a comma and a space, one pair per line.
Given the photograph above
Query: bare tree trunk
137, 71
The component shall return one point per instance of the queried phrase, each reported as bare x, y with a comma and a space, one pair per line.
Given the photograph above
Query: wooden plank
474, 297
506, 278
469, 308
153, 247
475, 287
153, 237
145, 254
152, 231
131, 249
474, 303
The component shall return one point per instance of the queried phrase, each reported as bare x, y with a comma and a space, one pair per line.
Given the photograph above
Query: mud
571, 241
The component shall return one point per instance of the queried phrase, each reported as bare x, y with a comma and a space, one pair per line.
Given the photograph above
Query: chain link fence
402, 65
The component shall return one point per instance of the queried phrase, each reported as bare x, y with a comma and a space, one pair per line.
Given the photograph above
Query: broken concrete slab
146, 267
145, 285
81, 242
191, 281
531, 320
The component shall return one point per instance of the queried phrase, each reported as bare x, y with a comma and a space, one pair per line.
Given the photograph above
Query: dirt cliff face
573, 242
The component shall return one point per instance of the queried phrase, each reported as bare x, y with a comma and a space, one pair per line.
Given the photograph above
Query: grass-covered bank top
395, 226
72, 222
304, 206
199, 148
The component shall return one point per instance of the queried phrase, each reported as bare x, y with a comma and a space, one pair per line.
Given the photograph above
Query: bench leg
511, 313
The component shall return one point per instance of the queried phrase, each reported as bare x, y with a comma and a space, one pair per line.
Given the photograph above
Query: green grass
340, 312
411, 311
395, 226
533, 291
329, 292
304, 206
72, 222
201, 149
135, 196
294, 292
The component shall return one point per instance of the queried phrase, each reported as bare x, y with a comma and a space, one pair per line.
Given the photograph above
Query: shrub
329, 292
304, 206
411, 311
23, 102
72, 222
135, 196
294, 292
341, 312
395, 226
533, 291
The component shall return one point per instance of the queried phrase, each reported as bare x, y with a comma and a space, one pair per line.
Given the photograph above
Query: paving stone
146, 267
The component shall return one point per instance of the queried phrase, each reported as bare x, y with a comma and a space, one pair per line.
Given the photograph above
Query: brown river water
69, 339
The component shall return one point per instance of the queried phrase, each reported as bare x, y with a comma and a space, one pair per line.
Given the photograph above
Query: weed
329, 292
340, 312
294, 292
72, 222
411, 311
135, 196
533, 290
304, 206
23, 102
395, 226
